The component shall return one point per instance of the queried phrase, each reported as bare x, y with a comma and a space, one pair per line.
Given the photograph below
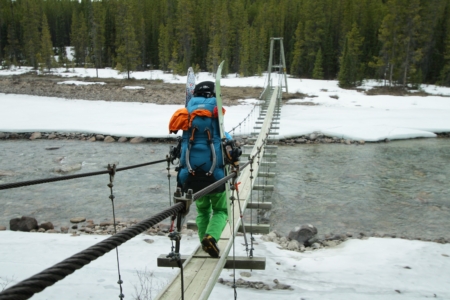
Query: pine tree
185, 32
97, 34
344, 76
402, 40
244, 51
350, 73
2, 21
46, 48
445, 72
219, 38
238, 21
297, 53
127, 46
318, 69
314, 30
164, 47
12, 50
79, 38
174, 65
31, 22
411, 40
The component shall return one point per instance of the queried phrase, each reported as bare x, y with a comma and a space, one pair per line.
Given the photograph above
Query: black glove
232, 152
175, 152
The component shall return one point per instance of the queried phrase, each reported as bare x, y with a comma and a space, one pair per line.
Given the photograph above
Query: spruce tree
12, 50
238, 21
218, 38
2, 21
410, 40
127, 46
185, 32
31, 21
97, 34
318, 69
164, 47
297, 53
244, 51
46, 48
350, 74
445, 72
79, 38
314, 30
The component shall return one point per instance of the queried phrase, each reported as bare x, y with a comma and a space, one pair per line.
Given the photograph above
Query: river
399, 188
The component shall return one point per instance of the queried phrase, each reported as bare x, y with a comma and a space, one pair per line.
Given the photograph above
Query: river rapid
399, 188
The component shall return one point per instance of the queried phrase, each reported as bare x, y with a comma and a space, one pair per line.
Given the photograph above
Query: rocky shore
302, 238
91, 137
313, 138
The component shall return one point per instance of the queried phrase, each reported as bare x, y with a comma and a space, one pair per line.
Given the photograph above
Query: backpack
201, 159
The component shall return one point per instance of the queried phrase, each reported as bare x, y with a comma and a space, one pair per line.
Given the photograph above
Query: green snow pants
212, 225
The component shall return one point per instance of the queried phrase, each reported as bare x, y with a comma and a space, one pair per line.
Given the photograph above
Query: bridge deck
200, 270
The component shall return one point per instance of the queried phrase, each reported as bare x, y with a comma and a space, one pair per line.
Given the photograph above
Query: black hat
205, 89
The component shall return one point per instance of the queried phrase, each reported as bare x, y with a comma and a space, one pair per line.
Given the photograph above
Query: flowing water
399, 188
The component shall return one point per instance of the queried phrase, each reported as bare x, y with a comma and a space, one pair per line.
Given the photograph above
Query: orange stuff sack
179, 120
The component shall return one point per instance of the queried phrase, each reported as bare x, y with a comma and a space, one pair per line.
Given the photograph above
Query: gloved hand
232, 152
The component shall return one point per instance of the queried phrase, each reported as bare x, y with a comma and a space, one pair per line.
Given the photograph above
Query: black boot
209, 245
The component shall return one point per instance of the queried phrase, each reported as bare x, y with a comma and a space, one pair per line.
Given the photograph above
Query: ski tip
219, 70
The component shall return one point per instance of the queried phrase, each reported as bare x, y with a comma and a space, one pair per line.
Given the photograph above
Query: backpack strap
213, 152
188, 152
211, 146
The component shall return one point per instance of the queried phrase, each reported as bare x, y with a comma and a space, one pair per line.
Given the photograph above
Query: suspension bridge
198, 273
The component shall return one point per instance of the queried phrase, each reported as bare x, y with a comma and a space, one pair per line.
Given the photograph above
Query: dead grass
396, 91
297, 95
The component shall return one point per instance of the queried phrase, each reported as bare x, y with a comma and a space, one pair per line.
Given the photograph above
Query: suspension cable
168, 178
112, 173
67, 177
37, 283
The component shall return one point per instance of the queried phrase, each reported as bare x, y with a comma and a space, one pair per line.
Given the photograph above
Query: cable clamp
187, 199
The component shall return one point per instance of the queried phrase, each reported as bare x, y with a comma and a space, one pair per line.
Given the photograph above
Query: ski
190, 85
219, 100
222, 131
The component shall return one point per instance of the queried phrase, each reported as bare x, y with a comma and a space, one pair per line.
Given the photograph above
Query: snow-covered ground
338, 112
375, 268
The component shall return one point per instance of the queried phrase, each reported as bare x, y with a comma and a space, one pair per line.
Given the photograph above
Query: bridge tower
279, 66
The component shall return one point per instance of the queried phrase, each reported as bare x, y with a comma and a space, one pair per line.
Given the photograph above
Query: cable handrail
68, 177
38, 282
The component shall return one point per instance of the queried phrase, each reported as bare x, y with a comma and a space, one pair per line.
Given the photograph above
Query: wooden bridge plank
190, 271
237, 262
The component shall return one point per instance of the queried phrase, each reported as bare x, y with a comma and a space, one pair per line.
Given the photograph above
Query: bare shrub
146, 289
4, 282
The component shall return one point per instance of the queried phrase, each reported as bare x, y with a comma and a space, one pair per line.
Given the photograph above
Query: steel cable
53, 179
37, 283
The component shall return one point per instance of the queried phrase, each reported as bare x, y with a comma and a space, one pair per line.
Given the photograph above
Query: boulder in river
23, 224
303, 233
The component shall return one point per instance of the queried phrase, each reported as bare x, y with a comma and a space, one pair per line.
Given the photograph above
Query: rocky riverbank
313, 138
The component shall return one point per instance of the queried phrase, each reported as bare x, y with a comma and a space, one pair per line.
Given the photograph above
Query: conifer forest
403, 42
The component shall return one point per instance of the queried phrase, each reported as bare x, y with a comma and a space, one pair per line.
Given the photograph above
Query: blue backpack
201, 161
